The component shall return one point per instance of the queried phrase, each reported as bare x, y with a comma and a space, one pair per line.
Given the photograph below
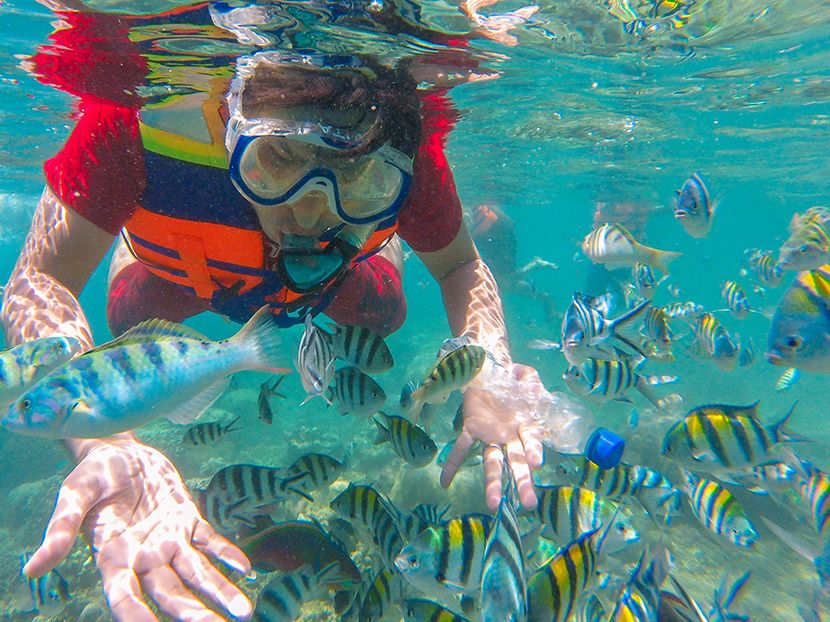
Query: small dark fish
266, 392
208, 433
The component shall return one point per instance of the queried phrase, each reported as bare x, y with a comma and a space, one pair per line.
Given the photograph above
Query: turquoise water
579, 112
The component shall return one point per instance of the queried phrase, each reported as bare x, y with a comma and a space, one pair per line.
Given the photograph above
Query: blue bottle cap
605, 448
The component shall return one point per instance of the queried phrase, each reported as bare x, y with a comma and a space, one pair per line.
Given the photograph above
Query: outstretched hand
499, 410
146, 535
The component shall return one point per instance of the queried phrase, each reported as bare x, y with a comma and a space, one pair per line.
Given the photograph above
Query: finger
79, 492
517, 462
493, 465
534, 451
460, 449
173, 598
206, 540
197, 573
123, 593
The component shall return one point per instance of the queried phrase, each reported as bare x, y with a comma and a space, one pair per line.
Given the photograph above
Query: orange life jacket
195, 230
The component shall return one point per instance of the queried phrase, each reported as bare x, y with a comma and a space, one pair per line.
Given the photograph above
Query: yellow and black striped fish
283, 597
503, 582
315, 471
736, 300
408, 440
356, 393
554, 590
449, 558
361, 347
422, 610
713, 339
721, 438
452, 372
717, 509
376, 513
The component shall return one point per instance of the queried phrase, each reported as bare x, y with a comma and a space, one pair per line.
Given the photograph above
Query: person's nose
309, 210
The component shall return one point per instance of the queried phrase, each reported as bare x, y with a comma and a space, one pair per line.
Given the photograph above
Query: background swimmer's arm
471, 296
60, 253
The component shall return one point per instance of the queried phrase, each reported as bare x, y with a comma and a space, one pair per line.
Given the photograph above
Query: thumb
79, 492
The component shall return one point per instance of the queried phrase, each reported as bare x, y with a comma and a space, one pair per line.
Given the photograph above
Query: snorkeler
322, 161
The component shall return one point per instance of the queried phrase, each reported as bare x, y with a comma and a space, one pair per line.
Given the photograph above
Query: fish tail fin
726, 595
383, 433
662, 259
781, 433
411, 402
229, 426
261, 336
797, 544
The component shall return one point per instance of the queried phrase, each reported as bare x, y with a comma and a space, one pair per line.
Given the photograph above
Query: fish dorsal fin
154, 329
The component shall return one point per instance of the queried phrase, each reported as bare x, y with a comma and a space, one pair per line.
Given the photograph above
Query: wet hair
381, 98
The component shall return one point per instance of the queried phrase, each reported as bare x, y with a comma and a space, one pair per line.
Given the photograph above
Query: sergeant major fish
361, 347
209, 432
722, 439
644, 280
266, 392
712, 338
452, 372
736, 300
718, 510
694, 208
315, 471
155, 369
23, 366
601, 381
613, 245
283, 597
586, 328
799, 335
356, 393
408, 440
808, 247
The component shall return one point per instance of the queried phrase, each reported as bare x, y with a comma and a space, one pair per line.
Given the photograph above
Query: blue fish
694, 207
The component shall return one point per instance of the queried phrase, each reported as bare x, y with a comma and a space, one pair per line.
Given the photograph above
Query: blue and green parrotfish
156, 369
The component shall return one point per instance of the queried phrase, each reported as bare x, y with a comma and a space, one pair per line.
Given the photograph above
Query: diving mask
295, 150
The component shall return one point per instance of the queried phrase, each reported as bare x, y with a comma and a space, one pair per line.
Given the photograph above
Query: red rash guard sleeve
431, 216
99, 172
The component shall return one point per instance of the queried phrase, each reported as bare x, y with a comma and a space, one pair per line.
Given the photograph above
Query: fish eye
26, 405
412, 560
803, 248
794, 341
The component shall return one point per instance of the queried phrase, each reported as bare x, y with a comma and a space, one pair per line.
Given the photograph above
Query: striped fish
503, 583
787, 379
284, 596
315, 361
640, 599
764, 266
47, 595
241, 492
451, 373
644, 280
694, 208
384, 594
592, 610
356, 393
361, 347
422, 516
720, 439
712, 338
797, 335
688, 311
586, 327
773, 476
815, 492
376, 513
651, 488
736, 300
808, 247
408, 440
315, 471
554, 590
656, 327
155, 369
23, 366
613, 245
718, 510
568, 512
208, 432
421, 610
601, 380
447, 559
266, 392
